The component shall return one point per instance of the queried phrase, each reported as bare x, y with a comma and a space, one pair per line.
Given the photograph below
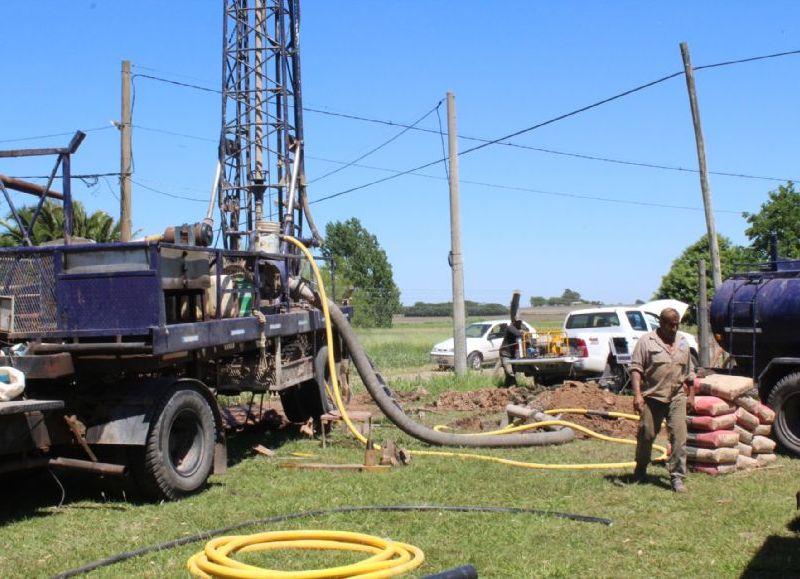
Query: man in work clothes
508, 349
661, 373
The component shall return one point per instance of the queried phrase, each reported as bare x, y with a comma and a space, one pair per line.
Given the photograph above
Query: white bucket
12, 383
267, 239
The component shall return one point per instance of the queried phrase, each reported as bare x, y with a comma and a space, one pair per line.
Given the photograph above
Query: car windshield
593, 320
476, 330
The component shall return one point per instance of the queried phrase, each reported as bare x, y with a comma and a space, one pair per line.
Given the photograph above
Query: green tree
780, 215
681, 282
538, 301
361, 262
570, 296
99, 226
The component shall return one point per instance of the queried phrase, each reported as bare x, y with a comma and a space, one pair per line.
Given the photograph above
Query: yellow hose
343, 411
387, 558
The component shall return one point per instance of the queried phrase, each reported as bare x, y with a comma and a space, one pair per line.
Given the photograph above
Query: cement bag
723, 386
763, 445
709, 423
745, 449
744, 435
765, 414
766, 459
748, 403
746, 420
763, 430
713, 469
712, 455
711, 406
745, 462
12, 383
714, 439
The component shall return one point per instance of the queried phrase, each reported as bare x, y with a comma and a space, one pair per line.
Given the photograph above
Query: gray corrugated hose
388, 405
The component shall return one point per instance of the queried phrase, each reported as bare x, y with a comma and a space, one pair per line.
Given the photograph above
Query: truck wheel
785, 401
322, 375
475, 361
302, 402
179, 452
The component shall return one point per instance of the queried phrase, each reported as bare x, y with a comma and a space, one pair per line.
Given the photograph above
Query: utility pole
125, 155
702, 316
713, 243
456, 259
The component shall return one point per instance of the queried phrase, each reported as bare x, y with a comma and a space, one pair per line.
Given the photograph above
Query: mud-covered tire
475, 361
784, 399
179, 453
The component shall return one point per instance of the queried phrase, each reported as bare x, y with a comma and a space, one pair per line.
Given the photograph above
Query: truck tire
474, 361
302, 402
785, 401
322, 375
179, 451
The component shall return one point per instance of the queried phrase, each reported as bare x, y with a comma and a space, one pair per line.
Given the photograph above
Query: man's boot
640, 474
678, 486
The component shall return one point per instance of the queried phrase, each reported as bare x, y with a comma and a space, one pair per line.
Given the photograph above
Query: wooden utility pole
456, 259
702, 315
713, 243
125, 164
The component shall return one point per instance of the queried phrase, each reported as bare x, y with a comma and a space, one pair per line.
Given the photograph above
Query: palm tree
99, 226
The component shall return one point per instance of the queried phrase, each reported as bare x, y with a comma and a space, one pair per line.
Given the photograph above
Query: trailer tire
179, 451
784, 399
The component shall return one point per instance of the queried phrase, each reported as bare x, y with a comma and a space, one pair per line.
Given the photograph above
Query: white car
483, 344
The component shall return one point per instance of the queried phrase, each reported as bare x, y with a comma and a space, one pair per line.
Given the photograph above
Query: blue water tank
758, 314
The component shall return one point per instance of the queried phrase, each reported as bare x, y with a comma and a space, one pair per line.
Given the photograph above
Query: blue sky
511, 65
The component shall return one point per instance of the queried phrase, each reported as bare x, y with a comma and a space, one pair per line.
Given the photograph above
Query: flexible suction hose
388, 405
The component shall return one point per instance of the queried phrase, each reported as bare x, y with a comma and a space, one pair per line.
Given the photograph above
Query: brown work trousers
650, 419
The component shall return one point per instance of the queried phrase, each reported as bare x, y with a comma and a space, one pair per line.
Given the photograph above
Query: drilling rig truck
125, 347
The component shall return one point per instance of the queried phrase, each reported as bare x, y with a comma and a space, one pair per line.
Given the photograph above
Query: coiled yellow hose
387, 558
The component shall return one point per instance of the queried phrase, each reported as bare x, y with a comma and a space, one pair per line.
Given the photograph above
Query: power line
750, 59
537, 191
382, 145
67, 134
143, 186
81, 176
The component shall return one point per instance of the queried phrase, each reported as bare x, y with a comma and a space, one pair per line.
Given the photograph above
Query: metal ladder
753, 329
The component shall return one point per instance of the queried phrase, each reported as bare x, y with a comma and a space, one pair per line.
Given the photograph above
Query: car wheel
475, 361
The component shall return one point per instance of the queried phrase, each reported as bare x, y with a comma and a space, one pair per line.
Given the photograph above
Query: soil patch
485, 399
589, 395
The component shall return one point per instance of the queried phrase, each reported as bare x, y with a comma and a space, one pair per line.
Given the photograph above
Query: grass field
741, 524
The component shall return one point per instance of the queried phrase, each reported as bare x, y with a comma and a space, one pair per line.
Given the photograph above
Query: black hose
392, 410
118, 558
462, 572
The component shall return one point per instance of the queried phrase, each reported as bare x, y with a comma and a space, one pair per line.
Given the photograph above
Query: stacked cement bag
754, 425
728, 430
712, 443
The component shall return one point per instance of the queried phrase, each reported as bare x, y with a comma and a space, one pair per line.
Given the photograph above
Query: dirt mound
589, 395
491, 399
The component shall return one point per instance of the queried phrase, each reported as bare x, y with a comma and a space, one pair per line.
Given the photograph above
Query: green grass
716, 530
724, 527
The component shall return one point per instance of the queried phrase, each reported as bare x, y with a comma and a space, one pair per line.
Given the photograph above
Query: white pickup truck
601, 343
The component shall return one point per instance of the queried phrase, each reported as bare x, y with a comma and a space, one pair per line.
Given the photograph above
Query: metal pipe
83, 348
105, 468
28, 187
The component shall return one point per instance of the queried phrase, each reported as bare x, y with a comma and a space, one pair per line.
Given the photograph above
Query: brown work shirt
663, 369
